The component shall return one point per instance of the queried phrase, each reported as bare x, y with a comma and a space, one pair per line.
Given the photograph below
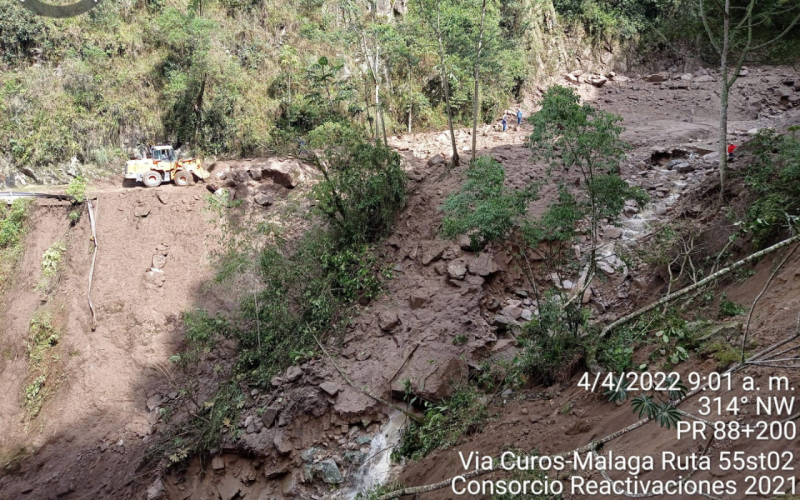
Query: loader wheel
182, 178
152, 179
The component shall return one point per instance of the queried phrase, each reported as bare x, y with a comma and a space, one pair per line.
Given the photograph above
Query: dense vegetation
243, 78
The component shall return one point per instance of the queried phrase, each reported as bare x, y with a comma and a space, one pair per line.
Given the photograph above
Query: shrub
774, 180
77, 189
363, 185
12, 229
553, 342
20, 30
484, 208
444, 424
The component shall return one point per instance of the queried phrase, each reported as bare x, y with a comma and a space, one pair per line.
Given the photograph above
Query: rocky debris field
445, 310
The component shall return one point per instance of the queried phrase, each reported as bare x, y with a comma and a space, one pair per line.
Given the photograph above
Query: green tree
571, 135
435, 16
734, 29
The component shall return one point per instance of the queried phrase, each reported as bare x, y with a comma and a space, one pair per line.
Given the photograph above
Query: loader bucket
201, 173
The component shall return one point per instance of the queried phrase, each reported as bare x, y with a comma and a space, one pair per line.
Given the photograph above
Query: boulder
483, 265
293, 373
287, 173
256, 174
598, 81
328, 471
435, 160
330, 388
656, 78
269, 416
282, 443
156, 490
159, 261
456, 270
229, 488
513, 312
417, 299
263, 199
388, 320
502, 322
432, 252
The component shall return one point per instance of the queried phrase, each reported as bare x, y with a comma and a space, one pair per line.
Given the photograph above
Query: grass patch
723, 352
51, 266
43, 340
12, 230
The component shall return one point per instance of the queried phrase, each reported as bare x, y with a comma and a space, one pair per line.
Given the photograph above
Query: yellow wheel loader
162, 166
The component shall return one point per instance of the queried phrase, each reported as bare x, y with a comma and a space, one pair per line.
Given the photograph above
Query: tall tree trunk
446, 91
476, 99
380, 112
723, 108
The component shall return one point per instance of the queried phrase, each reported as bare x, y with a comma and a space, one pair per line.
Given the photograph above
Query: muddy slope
89, 438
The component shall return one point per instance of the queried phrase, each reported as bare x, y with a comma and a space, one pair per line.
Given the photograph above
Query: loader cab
163, 153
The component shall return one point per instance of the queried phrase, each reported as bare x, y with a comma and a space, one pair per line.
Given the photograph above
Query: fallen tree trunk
591, 357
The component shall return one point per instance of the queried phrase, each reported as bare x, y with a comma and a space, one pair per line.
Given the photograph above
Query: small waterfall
376, 469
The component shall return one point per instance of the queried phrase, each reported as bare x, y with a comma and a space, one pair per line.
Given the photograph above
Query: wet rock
388, 320
282, 443
307, 455
483, 265
156, 490
612, 265
328, 471
456, 270
362, 440
269, 416
263, 199
355, 457
330, 388
417, 299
